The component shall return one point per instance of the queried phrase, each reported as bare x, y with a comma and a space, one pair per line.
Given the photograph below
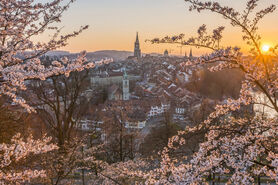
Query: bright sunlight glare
265, 48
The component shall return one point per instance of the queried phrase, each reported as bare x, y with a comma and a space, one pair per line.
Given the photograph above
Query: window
126, 83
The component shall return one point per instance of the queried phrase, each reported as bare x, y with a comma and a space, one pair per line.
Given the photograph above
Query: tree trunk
83, 177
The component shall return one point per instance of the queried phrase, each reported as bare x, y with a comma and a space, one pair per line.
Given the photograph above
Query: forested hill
97, 55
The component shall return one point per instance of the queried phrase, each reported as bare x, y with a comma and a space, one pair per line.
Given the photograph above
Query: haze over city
114, 23
145, 92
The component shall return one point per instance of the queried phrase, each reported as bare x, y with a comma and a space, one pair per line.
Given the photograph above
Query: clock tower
125, 87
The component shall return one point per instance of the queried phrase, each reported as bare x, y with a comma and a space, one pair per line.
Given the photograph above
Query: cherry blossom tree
237, 147
18, 150
21, 21
120, 142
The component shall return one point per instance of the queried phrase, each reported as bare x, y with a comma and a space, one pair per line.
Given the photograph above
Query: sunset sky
113, 24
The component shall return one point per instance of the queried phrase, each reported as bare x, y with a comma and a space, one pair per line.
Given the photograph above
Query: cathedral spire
137, 50
190, 55
137, 37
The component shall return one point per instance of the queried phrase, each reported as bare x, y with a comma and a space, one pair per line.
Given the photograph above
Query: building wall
112, 80
157, 110
115, 96
135, 125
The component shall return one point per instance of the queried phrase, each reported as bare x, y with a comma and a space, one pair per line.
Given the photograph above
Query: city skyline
131, 112
113, 25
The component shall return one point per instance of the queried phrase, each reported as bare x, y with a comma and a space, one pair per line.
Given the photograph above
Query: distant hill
97, 55
57, 53
116, 55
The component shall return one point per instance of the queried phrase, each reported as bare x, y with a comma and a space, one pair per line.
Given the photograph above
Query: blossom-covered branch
203, 39
240, 142
20, 22
18, 150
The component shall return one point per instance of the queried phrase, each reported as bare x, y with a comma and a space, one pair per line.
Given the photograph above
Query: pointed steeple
190, 55
137, 37
137, 50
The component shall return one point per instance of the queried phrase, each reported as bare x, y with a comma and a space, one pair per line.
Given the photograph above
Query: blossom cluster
239, 144
18, 150
21, 21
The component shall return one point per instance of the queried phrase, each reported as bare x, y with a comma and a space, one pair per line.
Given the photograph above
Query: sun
265, 48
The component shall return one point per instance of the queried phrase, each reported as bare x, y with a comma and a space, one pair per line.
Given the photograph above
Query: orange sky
113, 24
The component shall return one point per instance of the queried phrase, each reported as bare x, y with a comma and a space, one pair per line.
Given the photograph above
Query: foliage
18, 150
236, 146
20, 22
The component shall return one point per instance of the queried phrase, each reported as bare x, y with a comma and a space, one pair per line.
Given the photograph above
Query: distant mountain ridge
97, 55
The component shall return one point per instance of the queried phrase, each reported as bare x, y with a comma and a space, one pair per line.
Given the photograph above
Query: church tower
166, 53
125, 87
137, 50
190, 54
